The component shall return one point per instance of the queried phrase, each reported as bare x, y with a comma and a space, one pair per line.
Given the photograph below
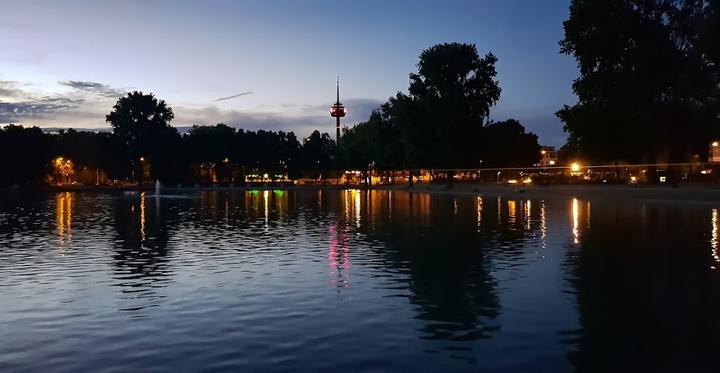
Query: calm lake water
355, 280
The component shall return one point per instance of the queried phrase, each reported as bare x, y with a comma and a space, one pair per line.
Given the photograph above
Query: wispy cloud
99, 89
35, 109
233, 96
9, 89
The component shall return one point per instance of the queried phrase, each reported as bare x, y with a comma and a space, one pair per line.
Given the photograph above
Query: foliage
317, 154
507, 145
26, 155
142, 123
452, 94
648, 86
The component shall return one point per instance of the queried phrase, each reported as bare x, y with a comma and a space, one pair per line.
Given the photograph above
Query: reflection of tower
339, 257
337, 111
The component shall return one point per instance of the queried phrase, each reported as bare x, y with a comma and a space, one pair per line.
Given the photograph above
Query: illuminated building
714, 152
548, 156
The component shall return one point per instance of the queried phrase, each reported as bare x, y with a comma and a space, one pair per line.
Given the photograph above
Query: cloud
9, 89
99, 89
233, 96
35, 109
301, 119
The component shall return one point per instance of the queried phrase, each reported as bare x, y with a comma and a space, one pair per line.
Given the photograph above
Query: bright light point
715, 143
575, 167
527, 181
512, 181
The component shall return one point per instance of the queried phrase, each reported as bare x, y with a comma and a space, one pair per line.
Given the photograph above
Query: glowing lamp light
715, 144
542, 152
512, 181
575, 167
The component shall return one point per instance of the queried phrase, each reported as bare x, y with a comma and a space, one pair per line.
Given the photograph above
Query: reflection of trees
142, 229
447, 246
647, 297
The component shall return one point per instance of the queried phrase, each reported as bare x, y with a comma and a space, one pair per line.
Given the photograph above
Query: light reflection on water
280, 279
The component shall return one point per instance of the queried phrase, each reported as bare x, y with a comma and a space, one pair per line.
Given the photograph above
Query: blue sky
64, 63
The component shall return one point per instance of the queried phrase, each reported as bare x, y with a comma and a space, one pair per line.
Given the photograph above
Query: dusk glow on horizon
269, 65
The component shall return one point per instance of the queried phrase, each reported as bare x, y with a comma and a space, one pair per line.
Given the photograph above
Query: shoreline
704, 193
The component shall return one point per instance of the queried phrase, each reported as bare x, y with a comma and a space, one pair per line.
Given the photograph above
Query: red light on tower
337, 111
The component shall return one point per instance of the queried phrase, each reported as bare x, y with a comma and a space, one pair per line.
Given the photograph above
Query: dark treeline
442, 123
205, 153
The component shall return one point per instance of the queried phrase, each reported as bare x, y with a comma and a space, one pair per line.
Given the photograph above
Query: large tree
449, 100
647, 91
506, 144
142, 122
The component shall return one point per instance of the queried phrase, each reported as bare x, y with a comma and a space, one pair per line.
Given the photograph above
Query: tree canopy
443, 121
648, 88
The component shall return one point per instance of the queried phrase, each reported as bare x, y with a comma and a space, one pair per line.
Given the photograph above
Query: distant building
548, 156
714, 153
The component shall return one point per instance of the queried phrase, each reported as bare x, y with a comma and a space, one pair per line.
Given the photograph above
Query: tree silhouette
647, 90
317, 154
507, 145
450, 98
142, 122
26, 153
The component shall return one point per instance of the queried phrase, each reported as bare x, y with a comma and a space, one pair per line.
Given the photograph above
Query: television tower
337, 111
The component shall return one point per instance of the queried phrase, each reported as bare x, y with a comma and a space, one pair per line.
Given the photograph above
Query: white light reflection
357, 207
575, 220
142, 217
479, 203
266, 204
714, 238
527, 214
543, 222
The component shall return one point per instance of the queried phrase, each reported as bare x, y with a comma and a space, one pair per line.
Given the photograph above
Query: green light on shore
279, 192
